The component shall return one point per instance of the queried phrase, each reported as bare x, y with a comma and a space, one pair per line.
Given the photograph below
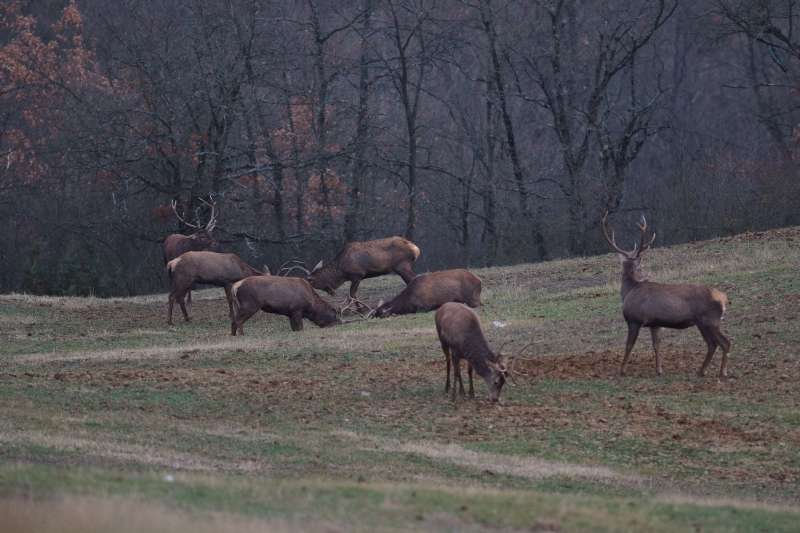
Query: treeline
488, 132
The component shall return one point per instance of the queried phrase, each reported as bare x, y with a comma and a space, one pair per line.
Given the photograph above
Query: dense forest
487, 131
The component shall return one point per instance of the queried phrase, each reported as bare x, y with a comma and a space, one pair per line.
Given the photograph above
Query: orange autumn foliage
299, 136
34, 78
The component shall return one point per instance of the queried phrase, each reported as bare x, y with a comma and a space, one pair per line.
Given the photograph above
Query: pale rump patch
722, 298
235, 288
415, 249
173, 264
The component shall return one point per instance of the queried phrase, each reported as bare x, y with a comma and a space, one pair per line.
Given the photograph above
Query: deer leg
456, 377
708, 335
725, 345
406, 272
238, 321
189, 298
354, 287
471, 387
447, 361
181, 303
656, 345
296, 321
169, 307
633, 334
229, 297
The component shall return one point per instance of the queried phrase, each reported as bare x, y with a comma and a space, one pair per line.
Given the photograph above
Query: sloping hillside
109, 417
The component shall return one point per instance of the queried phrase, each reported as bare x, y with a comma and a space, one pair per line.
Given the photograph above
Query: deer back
673, 305
434, 289
459, 327
376, 257
213, 266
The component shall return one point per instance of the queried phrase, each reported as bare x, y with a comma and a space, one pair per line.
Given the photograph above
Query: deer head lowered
657, 305
461, 337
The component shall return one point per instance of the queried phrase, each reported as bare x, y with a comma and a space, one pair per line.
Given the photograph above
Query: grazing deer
368, 259
461, 336
201, 240
659, 305
292, 297
429, 291
212, 268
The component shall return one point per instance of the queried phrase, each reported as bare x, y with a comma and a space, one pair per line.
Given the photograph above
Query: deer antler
609, 235
174, 205
518, 357
355, 304
642, 245
210, 225
500, 350
290, 266
638, 247
212, 222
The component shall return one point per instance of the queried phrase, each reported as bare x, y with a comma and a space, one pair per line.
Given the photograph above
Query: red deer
292, 297
201, 240
212, 268
429, 291
461, 336
368, 259
659, 305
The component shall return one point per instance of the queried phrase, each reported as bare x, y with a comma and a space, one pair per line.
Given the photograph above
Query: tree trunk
353, 218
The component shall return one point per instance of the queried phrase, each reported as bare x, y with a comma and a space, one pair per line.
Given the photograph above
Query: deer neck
630, 280
330, 276
478, 354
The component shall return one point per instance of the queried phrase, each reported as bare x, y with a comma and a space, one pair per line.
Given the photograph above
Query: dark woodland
488, 132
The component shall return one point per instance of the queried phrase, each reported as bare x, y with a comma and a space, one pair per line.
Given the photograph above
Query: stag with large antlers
201, 240
658, 305
461, 337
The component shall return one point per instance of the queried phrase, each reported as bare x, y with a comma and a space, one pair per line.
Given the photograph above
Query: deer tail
171, 266
722, 300
235, 298
414, 250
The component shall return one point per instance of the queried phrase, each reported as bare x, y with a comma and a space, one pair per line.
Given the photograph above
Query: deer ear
622, 257
319, 265
266, 270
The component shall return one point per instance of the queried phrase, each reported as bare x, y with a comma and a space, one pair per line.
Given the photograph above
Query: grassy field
111, 420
